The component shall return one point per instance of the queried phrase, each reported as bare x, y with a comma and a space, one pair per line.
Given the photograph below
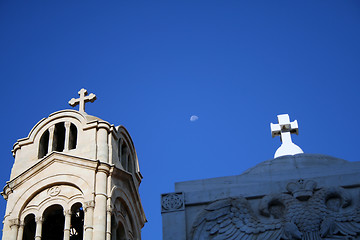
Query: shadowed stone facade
304, 196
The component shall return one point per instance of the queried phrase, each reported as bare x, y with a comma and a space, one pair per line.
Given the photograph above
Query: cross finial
284, 129
82, 100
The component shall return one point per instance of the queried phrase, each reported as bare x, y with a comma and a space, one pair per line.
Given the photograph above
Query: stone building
75, 176
293, 196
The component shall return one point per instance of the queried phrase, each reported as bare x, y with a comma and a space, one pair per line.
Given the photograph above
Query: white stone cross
82, 100
284, 129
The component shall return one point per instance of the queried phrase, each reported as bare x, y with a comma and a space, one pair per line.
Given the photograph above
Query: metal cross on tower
82, 100
284, 129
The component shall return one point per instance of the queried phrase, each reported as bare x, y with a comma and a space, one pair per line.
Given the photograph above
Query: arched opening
124, 154
59, 137
72, 137
77, 222
44, 144
119, 149
124, 227
113, 227
53, 225
120, 232
29, 227
130, 164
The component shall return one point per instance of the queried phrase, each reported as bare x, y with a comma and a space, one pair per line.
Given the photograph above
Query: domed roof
270, 173
300, 166
296, 162
87, 117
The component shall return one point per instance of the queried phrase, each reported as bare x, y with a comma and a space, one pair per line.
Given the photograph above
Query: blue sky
154, 64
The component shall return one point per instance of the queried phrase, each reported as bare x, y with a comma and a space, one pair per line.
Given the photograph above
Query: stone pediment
53, 164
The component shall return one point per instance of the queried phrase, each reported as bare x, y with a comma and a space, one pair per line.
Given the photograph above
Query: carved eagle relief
303, 213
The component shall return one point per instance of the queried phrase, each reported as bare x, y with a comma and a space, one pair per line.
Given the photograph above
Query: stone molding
39, 219
67, 212
43, 164
171, 202
15, 222
7, 191
110, 209
103, 167
89, 204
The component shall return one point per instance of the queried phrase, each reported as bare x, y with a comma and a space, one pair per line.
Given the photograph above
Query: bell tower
75, 176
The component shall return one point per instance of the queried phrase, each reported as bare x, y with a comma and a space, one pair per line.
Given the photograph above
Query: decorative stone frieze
303, 213
172, 202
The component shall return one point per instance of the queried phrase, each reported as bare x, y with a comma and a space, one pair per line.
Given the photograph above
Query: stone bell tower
75, 176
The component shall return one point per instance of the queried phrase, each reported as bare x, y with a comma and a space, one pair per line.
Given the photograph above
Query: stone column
108, 222
100, 202
110, 149
67, 224
88, 220
51, 138
67, 136
102, 145
109, 209
39, 221
20, 231
14, 226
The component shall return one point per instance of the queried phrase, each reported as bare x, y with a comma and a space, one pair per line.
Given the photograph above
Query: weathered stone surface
304, 196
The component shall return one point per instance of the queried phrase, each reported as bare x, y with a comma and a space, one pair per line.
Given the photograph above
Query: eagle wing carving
341, 220
233, 218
